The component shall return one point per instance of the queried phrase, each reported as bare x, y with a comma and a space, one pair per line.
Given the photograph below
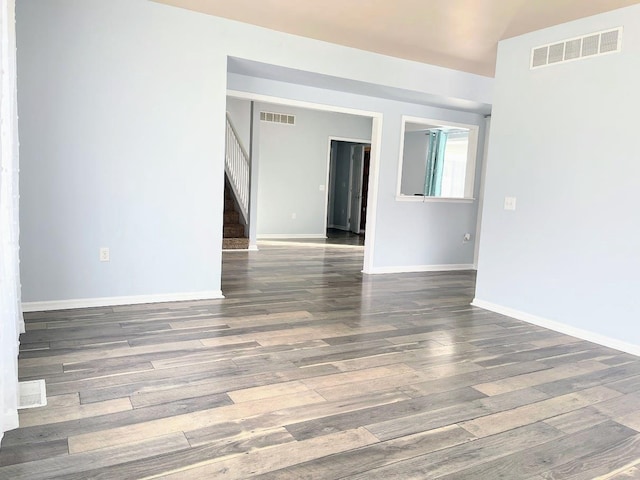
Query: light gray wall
407, 234
567, 149
414, 162
341, 189
293, 166
122, 138
117, 147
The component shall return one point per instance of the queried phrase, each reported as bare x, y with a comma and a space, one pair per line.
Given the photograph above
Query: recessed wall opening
437, 160
318, 171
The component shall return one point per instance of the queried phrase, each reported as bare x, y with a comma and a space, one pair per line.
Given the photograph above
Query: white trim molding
421, 268
472, 156
9, 420
374, 165
422, 199
252, 248
285, 236
328, 186
559, 327
114, 301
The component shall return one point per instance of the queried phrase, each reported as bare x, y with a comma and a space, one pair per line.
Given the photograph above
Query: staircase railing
238, 169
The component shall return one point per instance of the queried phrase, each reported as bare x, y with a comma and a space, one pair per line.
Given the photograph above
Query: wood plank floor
307, 370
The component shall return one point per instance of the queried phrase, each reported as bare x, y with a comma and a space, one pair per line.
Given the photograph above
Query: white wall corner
559, 327
9, 421
114, 301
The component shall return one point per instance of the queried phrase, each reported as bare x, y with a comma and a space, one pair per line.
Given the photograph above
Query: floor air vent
32, 394
591, 45
281, 118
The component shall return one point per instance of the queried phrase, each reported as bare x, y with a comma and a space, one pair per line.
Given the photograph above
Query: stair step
229, 205
235, 243
231, 217
233, 231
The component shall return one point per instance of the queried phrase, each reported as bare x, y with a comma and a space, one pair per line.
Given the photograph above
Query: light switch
322, 188
509, 203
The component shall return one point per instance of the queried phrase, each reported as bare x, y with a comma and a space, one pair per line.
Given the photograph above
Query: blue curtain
435, 163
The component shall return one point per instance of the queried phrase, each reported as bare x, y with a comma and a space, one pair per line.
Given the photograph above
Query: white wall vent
281, 118
591, 45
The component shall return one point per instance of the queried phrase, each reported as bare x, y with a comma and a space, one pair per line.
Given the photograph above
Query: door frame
374, 167
352, 176
328, 179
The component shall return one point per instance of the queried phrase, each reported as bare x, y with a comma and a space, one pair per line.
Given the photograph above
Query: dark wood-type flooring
307, 370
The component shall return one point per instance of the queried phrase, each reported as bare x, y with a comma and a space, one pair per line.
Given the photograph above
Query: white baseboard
251, 248
113, 301
284, 236
559, 327
420, 268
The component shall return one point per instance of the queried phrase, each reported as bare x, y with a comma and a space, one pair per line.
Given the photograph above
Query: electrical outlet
104, 254
467, 237
321, 188
509, 203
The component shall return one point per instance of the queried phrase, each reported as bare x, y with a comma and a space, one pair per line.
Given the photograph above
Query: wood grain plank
500, 422
598, 464
541, 458
229, 447
185, 422
351, 462
286, 414
277, 457
452, 460
530, 379
16, 454
64, 466
84, 355
54, 414
268, 391
632, 420
452, 414
346, 421
577, 420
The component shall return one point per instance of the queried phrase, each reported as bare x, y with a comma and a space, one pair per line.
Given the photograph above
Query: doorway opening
373, 154
349, 167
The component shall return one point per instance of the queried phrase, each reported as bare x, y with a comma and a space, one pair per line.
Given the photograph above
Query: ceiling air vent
556, 53
591, 45
281, 118
610, 41
572, 49
539, 57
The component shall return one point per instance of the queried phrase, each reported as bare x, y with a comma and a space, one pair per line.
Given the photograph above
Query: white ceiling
458, 34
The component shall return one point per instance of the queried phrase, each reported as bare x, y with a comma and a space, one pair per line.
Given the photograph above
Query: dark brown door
365, 188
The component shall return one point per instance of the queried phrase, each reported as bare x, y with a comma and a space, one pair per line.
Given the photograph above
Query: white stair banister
237, 166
